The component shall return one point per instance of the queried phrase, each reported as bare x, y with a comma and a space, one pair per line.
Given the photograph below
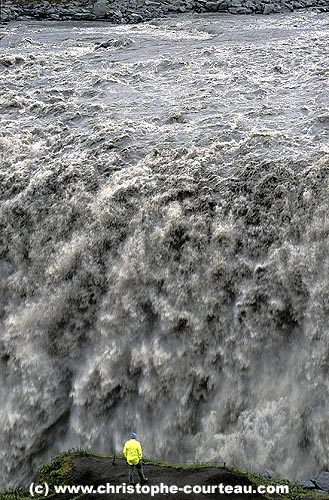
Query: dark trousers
140, 471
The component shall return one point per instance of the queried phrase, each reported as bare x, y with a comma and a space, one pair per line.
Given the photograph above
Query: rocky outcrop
322, 481
134, 11
307, 484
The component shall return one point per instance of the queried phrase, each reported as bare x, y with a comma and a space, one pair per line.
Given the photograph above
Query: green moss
57, 472
16, 494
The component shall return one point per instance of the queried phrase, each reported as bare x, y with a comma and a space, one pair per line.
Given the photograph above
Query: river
164, 240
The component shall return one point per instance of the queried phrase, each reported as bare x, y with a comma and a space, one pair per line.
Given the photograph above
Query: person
132, 452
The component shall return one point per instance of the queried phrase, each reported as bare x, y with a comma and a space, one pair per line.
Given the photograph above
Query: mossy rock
57, 472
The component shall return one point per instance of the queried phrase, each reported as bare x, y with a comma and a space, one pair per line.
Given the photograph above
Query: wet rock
114, 43
244, 10
322, 481
306, 484
268, 8
152, 4
135, 11
212, 6
135, 18
5, 16
100, 8
266, 473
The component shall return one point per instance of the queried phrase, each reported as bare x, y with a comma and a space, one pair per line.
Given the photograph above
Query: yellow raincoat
133, 451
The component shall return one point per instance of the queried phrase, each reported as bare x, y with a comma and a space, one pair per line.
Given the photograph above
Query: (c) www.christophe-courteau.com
157, 489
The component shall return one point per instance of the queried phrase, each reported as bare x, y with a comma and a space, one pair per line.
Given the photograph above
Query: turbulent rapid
164, 241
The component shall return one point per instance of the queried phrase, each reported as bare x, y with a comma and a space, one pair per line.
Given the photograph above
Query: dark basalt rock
306, 484
115, 43
322, 481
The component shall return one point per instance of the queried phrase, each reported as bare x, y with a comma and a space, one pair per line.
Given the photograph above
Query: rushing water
164, 240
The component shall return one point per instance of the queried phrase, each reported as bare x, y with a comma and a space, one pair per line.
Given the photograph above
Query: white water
164, 241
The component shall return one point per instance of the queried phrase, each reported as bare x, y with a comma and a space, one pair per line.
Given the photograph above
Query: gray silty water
164, 240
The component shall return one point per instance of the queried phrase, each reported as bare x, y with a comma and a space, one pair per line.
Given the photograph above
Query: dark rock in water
322, 481
176, 118
306, 484
115, 43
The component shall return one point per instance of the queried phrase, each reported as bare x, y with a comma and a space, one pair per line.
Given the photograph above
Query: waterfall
163, 273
